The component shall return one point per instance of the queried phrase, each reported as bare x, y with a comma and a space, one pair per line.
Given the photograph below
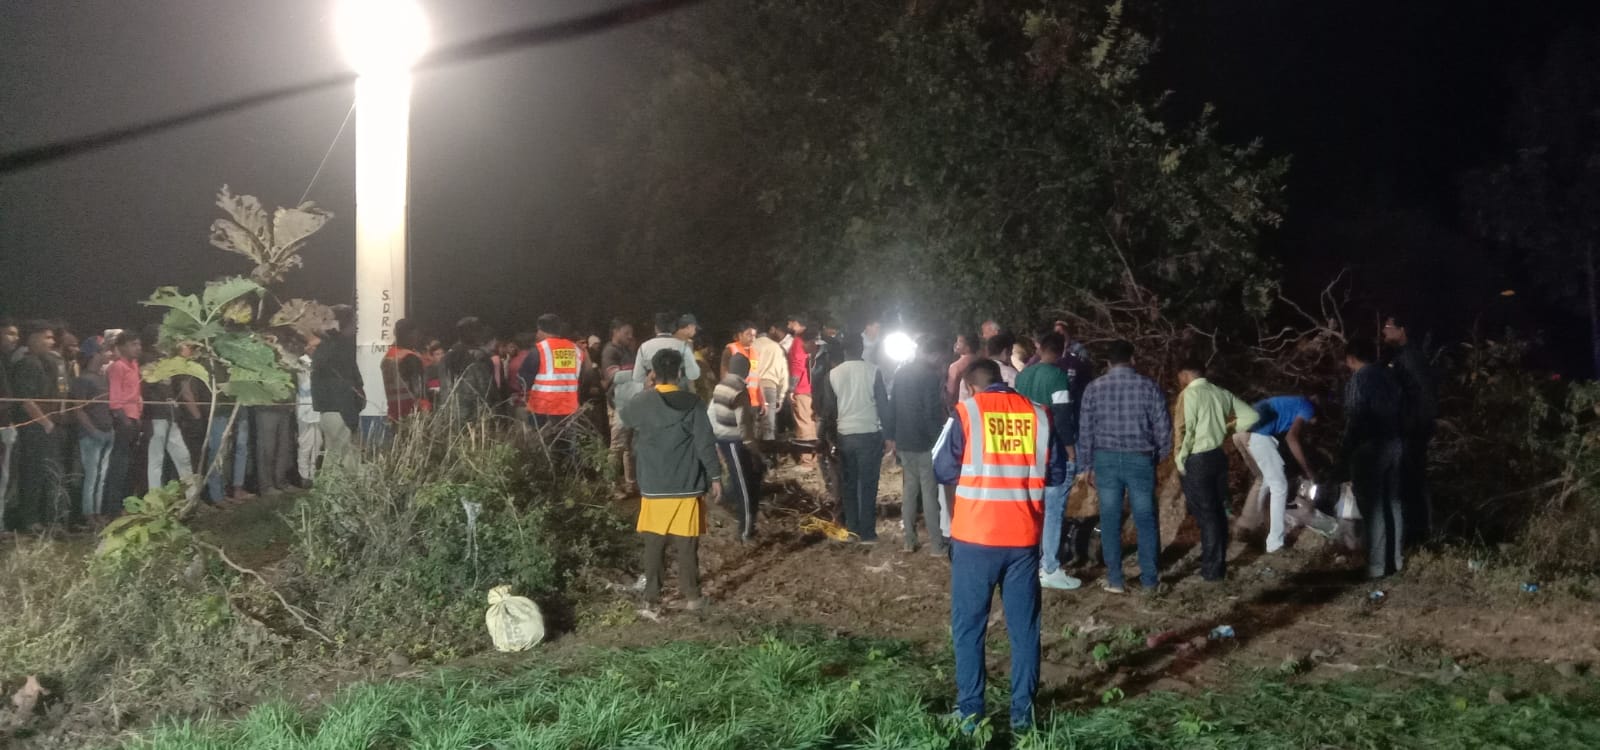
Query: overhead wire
473, 49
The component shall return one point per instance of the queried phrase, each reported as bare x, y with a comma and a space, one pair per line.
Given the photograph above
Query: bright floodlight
899, 346
381, 36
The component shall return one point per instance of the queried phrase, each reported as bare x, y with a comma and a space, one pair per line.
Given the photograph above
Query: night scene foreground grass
802, 690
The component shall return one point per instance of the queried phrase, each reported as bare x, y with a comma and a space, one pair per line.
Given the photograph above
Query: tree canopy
942, 160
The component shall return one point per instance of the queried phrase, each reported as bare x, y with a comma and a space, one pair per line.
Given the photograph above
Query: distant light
1509, 293
381, 36
900, 347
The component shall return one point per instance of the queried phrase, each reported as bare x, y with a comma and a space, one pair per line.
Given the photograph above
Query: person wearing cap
674, 333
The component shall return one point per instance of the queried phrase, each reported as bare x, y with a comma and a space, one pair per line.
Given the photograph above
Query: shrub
395, 560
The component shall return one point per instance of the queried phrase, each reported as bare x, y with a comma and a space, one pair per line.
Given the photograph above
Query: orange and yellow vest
752, 381
554, 391
402, 398
999, 500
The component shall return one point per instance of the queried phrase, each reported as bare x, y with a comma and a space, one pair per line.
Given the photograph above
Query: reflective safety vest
554, 391
752, 381
403, 396
999, 500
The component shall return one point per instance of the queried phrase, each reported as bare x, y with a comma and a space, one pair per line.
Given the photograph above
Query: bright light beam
381, 39
900, 347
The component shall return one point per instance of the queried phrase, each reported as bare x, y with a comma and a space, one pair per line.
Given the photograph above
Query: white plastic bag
515, 622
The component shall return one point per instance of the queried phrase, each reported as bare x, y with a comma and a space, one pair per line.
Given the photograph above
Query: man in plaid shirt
1124, 431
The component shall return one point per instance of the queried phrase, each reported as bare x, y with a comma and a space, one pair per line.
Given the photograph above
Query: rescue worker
402, 372
551, 371
743, 344
1001, 452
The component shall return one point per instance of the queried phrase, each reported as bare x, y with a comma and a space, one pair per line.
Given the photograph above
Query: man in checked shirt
1124, 432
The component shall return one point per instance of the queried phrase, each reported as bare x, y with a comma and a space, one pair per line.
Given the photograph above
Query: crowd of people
992, 432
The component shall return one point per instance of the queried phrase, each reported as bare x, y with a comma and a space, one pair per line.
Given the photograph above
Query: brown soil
1303, 608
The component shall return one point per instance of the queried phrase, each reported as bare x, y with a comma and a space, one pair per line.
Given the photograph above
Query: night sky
1382, 104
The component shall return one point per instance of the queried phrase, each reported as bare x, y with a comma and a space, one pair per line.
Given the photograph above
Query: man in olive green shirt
1202, 464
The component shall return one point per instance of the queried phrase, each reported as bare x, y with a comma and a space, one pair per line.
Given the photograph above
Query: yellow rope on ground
829, 529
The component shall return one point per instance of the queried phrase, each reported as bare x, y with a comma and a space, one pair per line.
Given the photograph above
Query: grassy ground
803, 690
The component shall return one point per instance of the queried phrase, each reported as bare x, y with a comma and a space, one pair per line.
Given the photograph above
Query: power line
473, 49
324, 162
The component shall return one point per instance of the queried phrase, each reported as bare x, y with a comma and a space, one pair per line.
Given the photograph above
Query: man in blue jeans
1050, 387
860, 416
1124, 431
1002, 453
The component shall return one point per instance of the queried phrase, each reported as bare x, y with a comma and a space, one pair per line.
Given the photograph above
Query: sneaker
967, 725
1113, 588
1058, 580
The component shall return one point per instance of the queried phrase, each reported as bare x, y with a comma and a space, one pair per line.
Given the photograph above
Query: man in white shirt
860, 416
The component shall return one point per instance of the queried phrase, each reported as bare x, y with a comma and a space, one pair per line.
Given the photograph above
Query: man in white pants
308, 434
1282, 418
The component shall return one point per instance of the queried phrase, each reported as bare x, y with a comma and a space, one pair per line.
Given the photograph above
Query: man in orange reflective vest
744, 339
1000, 450
550, 372
402, 372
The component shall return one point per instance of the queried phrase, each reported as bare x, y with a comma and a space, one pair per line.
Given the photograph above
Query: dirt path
1300, 609
1303, 608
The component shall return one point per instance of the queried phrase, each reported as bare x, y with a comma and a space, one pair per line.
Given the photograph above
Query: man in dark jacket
677, 467
919, 416
1371, 455
1419, 408
336, 391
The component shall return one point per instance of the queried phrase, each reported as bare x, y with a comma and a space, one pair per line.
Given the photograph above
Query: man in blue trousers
1000, 450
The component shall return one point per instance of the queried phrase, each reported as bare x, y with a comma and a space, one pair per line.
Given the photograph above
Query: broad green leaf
258, 392
307, 317
291, 225
165, 369
221, 292
245, 351
169, 296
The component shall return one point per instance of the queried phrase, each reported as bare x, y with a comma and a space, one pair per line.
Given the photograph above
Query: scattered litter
1567, 669
829, 529
1090, 626
880, 568
1268, 573
649, 614
904, 597
1222, 632
1376, 596
1318, 654
27, 697
1497, 698
1530, 588
1476, 565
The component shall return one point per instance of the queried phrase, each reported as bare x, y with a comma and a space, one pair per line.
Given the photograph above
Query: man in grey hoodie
677, 468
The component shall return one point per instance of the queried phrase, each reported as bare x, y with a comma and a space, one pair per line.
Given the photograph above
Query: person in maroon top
805, 418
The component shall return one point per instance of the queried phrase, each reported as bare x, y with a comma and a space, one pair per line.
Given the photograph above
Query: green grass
805, 691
